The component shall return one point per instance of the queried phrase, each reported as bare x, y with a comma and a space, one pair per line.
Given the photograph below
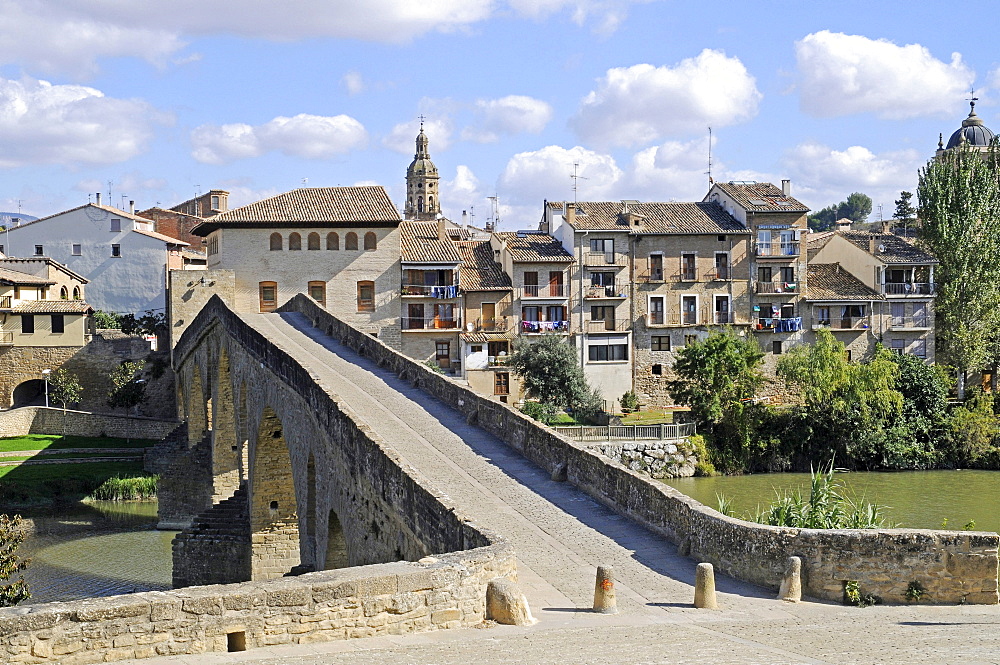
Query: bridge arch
196, 412
274, 513
225, 447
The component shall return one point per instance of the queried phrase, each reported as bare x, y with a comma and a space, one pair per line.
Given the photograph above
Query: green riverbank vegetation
12, 534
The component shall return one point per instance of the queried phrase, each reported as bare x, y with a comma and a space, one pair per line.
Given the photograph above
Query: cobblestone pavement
561, 535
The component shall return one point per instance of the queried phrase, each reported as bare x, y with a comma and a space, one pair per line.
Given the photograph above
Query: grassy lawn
56, 456
649, 417
48, 442
59, 482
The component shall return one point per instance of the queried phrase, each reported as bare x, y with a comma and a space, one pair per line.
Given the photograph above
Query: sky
158, 102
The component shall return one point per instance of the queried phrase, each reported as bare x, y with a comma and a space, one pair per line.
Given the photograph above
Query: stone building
339, 245
423, 202
120, 253
972, 134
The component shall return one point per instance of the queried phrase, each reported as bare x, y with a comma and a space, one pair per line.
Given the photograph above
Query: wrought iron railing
627, 432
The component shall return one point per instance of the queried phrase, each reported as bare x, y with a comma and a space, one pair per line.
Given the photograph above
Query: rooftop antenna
494, 212
197, 190
305, 181
472, 215
576, 180
110, 182
124, 199
709, 171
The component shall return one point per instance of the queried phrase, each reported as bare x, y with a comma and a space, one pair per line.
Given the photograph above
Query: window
39, 250
847, 355
276, 242
58, 324
317, 291
722, 265
76, 293
366, 294
371, 241
116, 251
501, 383
268, 296
607, 348
332, 241
77, 250
656, 267
897, 345
764, 274
63, 293
688, 267
214, 204
116, 225
313, 241
602, 245
723, 313
787, 275
656, 370
776, 347
476, 348
656, 306
689, 310
27, 324
351, 241
919, 348
690, 339
659, 343
213, 244
294, 241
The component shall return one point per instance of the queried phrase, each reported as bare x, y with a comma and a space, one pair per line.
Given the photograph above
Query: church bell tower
422, 202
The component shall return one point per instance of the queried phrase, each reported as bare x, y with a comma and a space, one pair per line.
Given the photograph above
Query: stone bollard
604, 591
791, 584
704, 587
506, 604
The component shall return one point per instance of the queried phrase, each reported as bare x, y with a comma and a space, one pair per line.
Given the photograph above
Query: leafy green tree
12, 534
65, 389
959, 199
856, 208
128, 390
108, 320
824, 219
149, 323
551, 373
905, 212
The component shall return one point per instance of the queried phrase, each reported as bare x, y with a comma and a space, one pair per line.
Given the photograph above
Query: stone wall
657, 459
955, 567
41, 420
386, 599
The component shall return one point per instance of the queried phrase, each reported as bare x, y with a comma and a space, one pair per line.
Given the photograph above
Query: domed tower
973, 133
422, 202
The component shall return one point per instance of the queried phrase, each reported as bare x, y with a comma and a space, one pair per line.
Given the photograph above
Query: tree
150, 323
959, 200
127, 389
905, 212
552, 374
12, 534
65, 389
857, 207
108, 320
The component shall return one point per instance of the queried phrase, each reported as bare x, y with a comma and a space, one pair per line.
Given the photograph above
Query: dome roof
421, 166
973, 131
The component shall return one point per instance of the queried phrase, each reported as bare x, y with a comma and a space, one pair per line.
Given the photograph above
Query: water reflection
915, 499
99, 548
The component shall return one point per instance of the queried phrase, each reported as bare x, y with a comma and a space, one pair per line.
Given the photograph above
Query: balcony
718, 274
497, 361
492, 325
607, 325
603, 292
428, 291
723, 318
651, 276
686, 276
908, 289
777, 249
6, 302
544, 291
779, 324
658, 319
604, 259
410, 324
777, 287
843, 323
909, 322
544, 327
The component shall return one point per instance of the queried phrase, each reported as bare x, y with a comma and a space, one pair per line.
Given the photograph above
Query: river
98, 548
914, 499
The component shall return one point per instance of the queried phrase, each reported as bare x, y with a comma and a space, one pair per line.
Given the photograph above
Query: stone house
841, 303
339, 245
123, 257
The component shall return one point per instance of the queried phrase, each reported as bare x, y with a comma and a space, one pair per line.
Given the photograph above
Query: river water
914, 499
99, 548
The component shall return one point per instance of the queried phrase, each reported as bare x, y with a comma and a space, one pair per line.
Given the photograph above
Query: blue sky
166, 100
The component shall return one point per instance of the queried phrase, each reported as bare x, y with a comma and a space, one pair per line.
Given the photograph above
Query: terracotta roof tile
485, 337
160, 236
479, 272
666, 218
50, 307
8, 276
419, 243
761, 197
889, 247
534, 248
828, 281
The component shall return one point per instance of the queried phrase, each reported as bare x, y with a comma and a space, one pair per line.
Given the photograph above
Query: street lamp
45, 373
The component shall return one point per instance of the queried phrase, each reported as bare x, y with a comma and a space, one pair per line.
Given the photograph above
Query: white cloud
674, 171
843, 74
531, 177
41, 123
643, 103
823, 176
461, 192
353, 82
513, 114
132, 185
402, 138
307, 136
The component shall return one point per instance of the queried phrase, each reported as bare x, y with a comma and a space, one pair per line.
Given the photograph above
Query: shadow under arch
274, 521
225, 450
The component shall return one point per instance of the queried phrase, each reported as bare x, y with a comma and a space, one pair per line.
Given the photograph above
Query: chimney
871, 243
131, 207
98, 198
570, 215
843, 224
441, 232
465, 218
886, 226
786, 187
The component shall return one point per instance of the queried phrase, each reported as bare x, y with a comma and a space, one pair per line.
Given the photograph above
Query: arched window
294, 241
76, 293
276, 242
351, 241
332, 241
430, 203
314, 240
64, 293
420, 204
371, 241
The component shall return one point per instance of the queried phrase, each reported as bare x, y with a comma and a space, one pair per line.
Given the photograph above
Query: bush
629, 402
135, 488
698, 447
544, 413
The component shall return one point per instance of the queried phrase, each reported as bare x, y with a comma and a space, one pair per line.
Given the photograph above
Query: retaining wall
51, 420
384, 599
953, 566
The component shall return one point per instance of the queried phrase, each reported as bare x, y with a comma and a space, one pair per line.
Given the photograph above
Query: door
487, 316
531, 284
442, 354
656, 267
788, 243
722, 265
415, 316
689, 309
722, 309
556, 284
656, 311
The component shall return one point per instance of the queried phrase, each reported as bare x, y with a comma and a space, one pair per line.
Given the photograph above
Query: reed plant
130, 488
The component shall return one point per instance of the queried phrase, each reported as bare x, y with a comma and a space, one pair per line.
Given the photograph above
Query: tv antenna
494, 212
576, 179
709, 171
